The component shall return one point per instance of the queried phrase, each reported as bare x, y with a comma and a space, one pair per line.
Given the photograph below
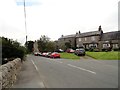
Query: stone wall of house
61, 42
8, 73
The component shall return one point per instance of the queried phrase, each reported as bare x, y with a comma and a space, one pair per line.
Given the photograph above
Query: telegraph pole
25, 20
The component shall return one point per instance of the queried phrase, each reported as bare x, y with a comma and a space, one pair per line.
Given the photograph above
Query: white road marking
35, 65
41, 83
82, 69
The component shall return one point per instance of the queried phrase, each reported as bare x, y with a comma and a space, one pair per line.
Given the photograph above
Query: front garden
112, 55
69, 56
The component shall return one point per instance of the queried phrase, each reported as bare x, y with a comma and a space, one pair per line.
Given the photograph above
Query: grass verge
104, 55
69, 56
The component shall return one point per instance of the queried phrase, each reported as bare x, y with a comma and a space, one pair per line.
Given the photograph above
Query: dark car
80, 52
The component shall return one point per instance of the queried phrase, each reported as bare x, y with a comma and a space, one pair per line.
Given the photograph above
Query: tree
50, 46
68, 45
29, 45
16, 44
44, 44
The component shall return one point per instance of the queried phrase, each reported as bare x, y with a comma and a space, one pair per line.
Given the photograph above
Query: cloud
56, 17
28, 2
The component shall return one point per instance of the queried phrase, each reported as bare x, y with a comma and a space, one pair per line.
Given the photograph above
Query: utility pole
25, 20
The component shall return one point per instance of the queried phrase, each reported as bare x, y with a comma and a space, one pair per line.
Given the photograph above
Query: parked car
44, 54
70, 51
80, 51
54, 55
36, 53
39, 54
48, 54
59, 50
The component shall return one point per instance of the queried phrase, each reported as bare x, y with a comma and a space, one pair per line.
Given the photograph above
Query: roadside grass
104, 55
69, 56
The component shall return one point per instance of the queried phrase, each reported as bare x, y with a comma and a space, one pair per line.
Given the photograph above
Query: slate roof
93, 33
111, 36
68, 36
115, 35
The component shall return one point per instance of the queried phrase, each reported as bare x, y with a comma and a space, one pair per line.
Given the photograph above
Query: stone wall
8, 73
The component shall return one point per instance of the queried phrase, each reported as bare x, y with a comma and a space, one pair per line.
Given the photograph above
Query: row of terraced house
96, 39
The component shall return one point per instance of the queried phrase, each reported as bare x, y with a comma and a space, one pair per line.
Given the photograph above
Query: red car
54, 55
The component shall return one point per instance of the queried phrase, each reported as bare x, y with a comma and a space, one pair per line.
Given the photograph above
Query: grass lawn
69, 56
104, 55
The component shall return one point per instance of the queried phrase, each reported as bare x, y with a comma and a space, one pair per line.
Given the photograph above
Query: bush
103, 49
116, 49
86, 49
91, 49
96, 50
106, 49
10, 50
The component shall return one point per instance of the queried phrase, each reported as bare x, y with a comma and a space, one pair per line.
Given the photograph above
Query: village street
41, 72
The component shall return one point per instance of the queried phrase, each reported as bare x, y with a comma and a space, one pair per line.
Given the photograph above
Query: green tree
29, 46
50, 46
16, 44
44, 44
11, 49
68, 45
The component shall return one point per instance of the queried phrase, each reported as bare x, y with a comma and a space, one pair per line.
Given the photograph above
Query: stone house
96, 39
66, 39
110, 39
88, 39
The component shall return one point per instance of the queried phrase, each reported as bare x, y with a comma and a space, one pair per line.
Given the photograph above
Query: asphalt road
41, 72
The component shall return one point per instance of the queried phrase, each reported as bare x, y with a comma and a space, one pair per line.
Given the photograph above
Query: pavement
28, 76
41, 72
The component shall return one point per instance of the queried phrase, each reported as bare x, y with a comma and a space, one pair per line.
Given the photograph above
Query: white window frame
93, 38
85, 39
106, 45
115, 45
93, 45
79, 39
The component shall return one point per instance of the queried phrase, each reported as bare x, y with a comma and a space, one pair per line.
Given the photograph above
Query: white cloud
56, 17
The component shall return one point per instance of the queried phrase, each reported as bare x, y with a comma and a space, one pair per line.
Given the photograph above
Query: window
115, 45
106, 45
90, 45
93, 38
87, 46
79, 39
77, 45
93, 45
85, 39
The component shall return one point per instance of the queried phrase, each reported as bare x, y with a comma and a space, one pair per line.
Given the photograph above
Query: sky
54, 18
